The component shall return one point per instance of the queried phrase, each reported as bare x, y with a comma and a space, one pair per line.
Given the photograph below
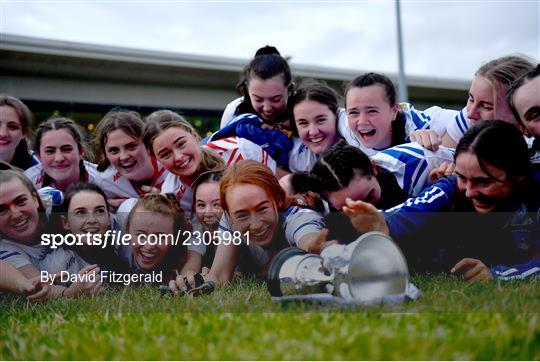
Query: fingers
426, 138
327, 244
205, 271
88, 268
191, 281
316, 245
96, 288
472, 270
150, 189
40, 295
484, 275
174, 287
444, 170
352, 207
463, 265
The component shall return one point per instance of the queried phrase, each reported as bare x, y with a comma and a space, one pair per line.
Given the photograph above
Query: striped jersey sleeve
458, 126
13, 254
411, 163
415, 213
301, 158
235, 149
529, 269
300, 221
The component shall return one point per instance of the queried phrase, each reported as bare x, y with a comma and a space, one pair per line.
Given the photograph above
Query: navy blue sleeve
529, 269
414, 214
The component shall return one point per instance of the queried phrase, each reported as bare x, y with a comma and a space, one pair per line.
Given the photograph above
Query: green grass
452, 320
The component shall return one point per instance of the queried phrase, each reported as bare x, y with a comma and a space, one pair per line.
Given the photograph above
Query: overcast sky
449, 39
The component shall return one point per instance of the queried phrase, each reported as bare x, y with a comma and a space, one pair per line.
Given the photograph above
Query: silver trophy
369, 270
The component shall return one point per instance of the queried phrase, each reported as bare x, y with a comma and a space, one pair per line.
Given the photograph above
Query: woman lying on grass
259, 221
22, 222
153, 224
86, 212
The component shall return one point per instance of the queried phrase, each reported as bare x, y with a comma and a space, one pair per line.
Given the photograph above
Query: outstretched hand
444, 170
472, 270
316, 244
364, 216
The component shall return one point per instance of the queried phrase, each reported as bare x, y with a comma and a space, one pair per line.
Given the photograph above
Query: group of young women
287, 165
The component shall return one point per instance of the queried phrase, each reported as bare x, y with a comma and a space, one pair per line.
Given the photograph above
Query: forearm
224, 263
12, 279
193, 263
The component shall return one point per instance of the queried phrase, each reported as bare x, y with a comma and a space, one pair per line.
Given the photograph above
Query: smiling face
11, 132
316, 125
179, 152
485, 191
361, 188
268, 97
208, 205
128, 155
527, 104
487, 102
370, 116
252, 210
60, 157
144, 222
19, 217
87, 213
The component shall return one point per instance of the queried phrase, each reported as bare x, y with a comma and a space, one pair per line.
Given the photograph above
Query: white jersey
230, 112
411, 163
235, 149
297, 222
36, 174
301, 158
183, 193
41, 257
458, 124
117, 186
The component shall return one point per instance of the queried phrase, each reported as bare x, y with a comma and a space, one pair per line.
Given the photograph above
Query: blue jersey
434, 235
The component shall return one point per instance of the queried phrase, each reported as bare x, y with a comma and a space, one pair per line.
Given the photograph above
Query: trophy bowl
377, 268
369, 269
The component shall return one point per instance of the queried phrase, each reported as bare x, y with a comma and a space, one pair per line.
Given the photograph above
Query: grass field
452, 320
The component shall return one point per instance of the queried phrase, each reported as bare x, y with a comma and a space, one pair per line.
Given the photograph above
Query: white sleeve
35, 175
411, 163
230, 112
301, 221
458, 126
13, 255
440, 118
301, 158
252, 151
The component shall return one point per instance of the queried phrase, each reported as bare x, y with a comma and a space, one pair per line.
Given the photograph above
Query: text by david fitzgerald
105, 276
